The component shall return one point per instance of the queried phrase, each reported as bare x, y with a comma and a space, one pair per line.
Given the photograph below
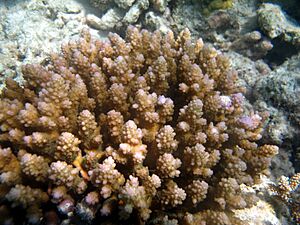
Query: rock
252, 45
278, 94
275, 23
125, 12
280, 89
156, 22
110, 19
124, 3
1, 68
93, 21
135, 11
72, 8
160, 5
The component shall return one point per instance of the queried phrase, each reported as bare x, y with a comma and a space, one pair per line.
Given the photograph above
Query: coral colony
149, 129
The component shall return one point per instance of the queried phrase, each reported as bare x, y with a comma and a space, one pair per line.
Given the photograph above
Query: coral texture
140, 127
287, 190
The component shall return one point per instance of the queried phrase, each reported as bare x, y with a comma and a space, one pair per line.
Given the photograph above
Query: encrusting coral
140, 127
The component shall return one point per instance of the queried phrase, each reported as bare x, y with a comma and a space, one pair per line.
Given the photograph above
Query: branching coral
287, 190
140, 127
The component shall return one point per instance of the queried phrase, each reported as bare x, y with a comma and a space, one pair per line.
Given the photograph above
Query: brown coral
287, 190
140, 126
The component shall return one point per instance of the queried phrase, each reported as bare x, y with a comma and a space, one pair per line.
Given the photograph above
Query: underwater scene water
155, 112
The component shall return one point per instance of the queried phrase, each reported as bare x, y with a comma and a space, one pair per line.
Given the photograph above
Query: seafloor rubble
118, 14
150, 129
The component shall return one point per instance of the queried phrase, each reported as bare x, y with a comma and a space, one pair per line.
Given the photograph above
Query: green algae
209, 6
